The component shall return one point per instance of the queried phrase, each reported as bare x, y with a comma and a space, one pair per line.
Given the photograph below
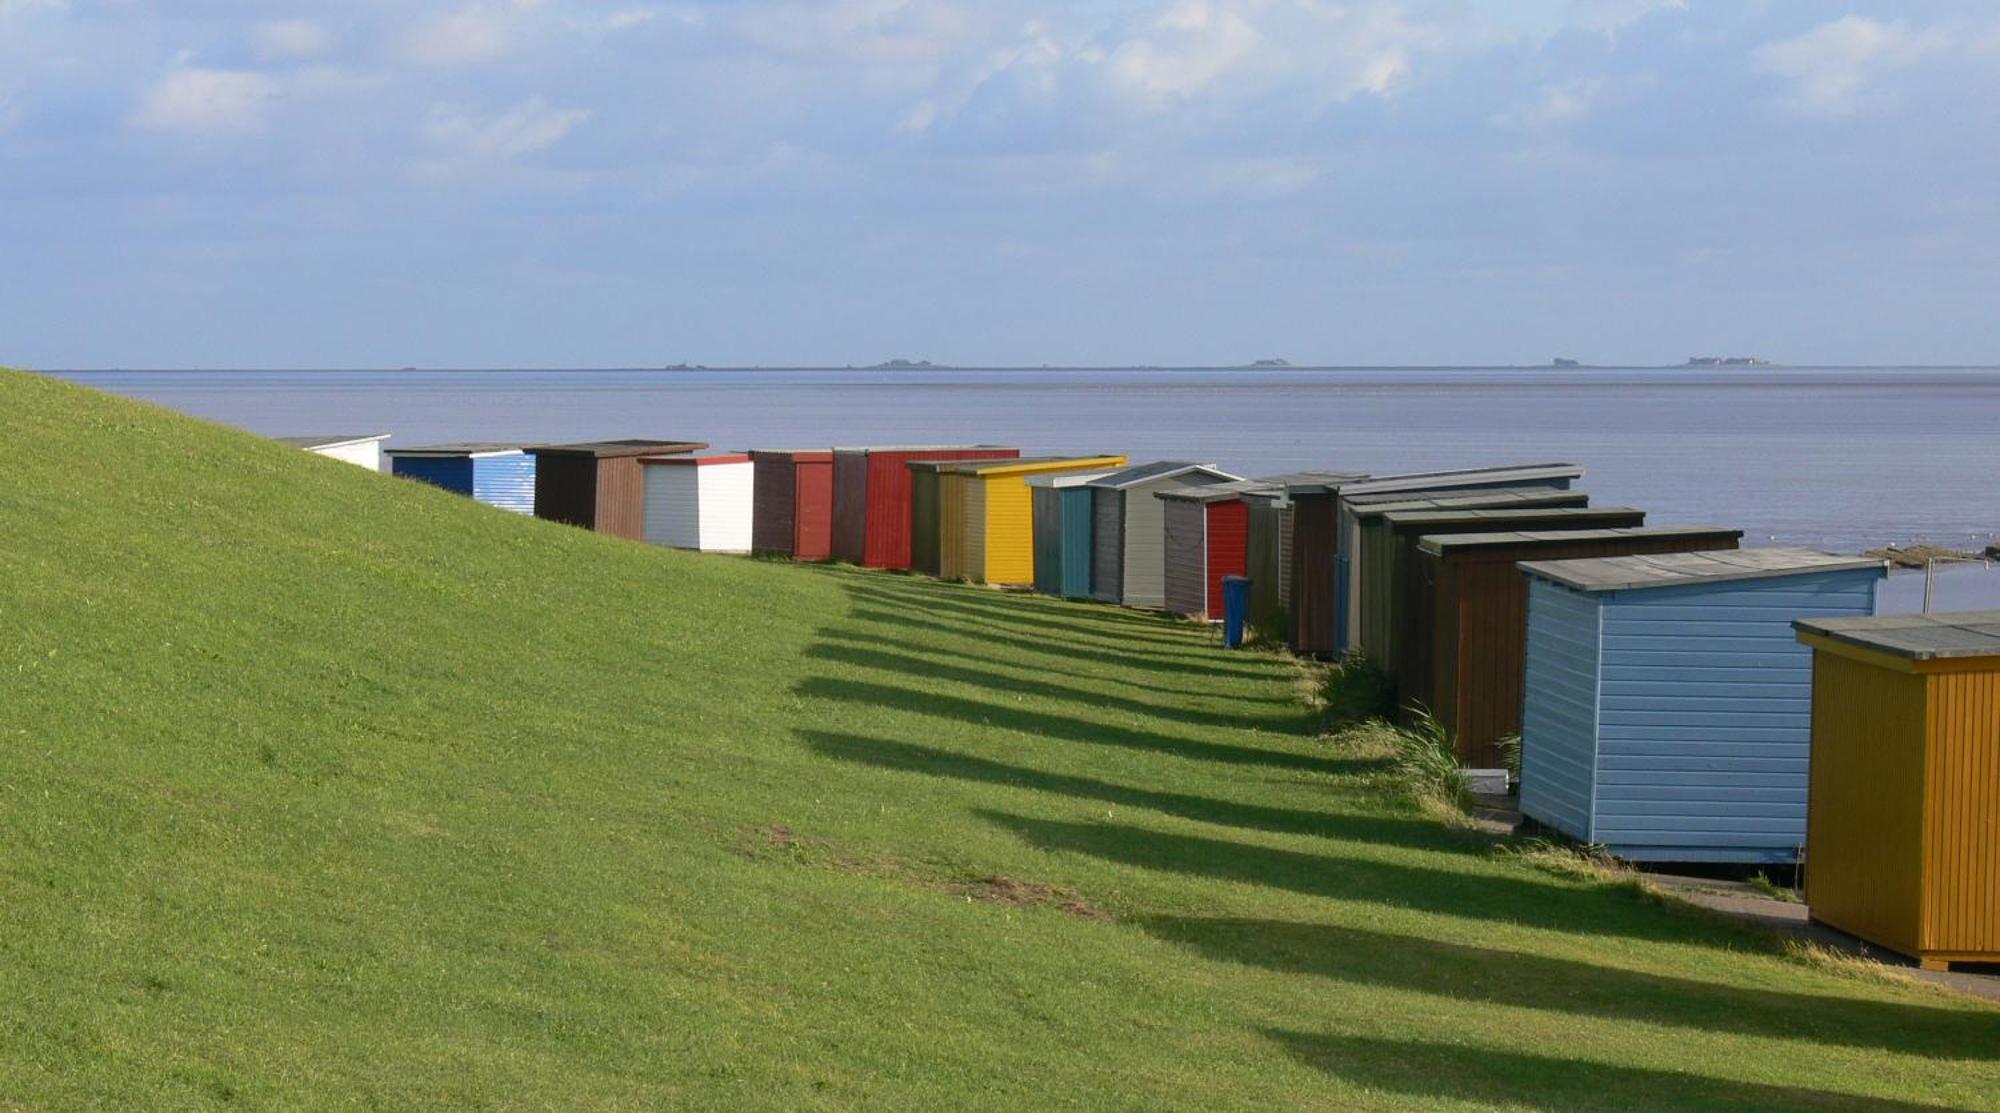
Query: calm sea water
1839, 458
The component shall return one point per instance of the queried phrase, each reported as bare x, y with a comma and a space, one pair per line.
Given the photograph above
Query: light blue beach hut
1667, 712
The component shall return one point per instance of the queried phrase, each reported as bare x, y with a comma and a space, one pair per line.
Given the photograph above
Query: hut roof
331, 440
1159, 469
460, 448
1445, 480
1920, 637
1463, 541
1674, 569
1368, 507
632, 447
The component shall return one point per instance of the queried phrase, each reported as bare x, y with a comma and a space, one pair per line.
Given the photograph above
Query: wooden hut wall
1185, 552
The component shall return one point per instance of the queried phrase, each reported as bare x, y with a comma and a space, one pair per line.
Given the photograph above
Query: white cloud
472, 34
285, 40
1608, 17
1555, 106
868, 32
197, 101
467, 136
1833, 67
1189, 47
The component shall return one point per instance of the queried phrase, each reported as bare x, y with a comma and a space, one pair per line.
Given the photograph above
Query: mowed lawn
321, 789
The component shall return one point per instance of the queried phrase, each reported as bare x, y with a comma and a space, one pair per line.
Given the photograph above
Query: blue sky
541, 183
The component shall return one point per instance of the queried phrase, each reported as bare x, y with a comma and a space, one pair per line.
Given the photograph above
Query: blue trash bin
1235, 610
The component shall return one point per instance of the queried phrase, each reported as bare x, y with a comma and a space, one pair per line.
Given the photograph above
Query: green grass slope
324, 789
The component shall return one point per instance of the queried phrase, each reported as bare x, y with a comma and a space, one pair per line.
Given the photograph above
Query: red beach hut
871, 498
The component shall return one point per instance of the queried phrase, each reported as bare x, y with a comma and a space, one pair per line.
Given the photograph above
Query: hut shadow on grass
1300, 719
1498, 977
986, 661
996, 716
1516, 1080
1594, 910
1095, 656
1039, 615
910, 757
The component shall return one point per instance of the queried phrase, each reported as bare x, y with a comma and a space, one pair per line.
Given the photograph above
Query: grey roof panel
1159, 469
1450, 542
865, 449
1919, 637
1496, 498
459, 448
629, 447
1674, 569
1446, 480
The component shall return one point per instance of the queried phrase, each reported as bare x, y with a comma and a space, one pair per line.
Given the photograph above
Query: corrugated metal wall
1559, 714
1228, 531
1107, 566
673, 505
1865, 820
1705, 716
725, 495
453, 473
1185, 540
771, 509
1010, 531
505, 480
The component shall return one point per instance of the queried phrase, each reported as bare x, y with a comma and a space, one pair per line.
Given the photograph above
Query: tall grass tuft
1427, 760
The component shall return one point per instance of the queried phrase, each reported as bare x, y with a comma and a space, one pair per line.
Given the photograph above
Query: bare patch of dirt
1017, 893
777, 841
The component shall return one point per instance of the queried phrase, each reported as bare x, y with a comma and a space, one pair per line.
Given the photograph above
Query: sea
1842, 459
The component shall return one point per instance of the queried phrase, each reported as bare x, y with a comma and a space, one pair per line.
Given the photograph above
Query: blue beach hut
1667, 712
499, 475
1063, 532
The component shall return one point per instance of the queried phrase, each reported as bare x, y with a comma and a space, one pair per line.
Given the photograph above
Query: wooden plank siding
566, 489
1049, 540
1314, 547
1076, 524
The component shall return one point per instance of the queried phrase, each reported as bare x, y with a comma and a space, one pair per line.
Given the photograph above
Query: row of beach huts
1676, 698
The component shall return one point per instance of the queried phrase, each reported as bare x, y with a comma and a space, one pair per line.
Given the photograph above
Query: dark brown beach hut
791, 505
1388, 537
1461, 638
599, 485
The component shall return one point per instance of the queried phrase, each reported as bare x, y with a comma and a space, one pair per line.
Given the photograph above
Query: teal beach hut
1061, 505
1667, 710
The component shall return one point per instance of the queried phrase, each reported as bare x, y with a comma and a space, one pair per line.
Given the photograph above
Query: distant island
1269, 363
685, 367
905, 365
1564, 361
1728, 361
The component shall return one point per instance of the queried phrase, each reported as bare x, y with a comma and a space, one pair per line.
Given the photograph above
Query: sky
541, 183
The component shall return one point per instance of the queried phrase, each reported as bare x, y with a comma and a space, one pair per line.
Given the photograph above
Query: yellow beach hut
986, 516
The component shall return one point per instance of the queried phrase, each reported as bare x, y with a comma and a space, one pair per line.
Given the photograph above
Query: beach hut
1127, 563
1903, 828
1063, 525
364, 449
871, 498
1390, 536
1460, 648
1205, 537
1268, 545
699, 502
1354, 498
501, 475
1318, 582
792, 509
599, 485
986, 515
1666, 710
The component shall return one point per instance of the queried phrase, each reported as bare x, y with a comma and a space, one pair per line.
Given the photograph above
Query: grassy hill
324, 789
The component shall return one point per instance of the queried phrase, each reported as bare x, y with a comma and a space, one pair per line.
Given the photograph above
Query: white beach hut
699, 502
